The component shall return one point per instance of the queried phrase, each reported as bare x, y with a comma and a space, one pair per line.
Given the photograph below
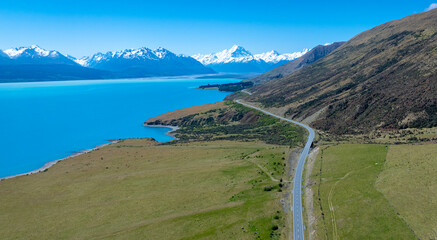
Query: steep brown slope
284, 70
385, 77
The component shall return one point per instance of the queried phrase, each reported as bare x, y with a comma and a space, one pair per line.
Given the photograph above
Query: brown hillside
385, 77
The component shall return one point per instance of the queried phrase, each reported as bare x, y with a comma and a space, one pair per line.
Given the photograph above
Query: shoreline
236, 76
78, 153
86, 81
169, 133
51, 163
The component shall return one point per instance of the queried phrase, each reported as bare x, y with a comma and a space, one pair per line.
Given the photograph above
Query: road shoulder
309, 217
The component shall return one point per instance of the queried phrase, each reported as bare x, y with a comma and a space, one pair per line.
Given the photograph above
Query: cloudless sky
84, 27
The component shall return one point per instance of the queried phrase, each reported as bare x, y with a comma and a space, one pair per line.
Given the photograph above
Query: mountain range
383, 78
35, 64
35, 55
144, 62
238, 60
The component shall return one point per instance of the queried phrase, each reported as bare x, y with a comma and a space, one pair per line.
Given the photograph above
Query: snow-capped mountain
145, 62
4, 58
143, 54
36, 64
234, 54
274, 57
36, 55
238, 59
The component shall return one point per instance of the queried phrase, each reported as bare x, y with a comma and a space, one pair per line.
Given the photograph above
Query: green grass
352, 207
136, 189
409, 182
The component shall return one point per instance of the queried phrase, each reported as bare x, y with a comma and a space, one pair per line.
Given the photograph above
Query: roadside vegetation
233, 121
227, 87
400, 136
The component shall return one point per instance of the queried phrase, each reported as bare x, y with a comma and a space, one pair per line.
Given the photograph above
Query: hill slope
385, 77
288, 68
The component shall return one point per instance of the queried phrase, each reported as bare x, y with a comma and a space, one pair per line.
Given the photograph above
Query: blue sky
83, 27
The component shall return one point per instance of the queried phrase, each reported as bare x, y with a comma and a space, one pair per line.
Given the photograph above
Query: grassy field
137, 189
347, 204
409, 182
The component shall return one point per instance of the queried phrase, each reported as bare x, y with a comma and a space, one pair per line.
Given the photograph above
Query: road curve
297, 188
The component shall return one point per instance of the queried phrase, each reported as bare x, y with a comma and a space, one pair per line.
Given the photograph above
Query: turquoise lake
44, 121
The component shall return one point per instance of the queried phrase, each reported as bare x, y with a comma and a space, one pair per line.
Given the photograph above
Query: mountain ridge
145, 62
34, 63
139, 53
383, 78
36, 55
238, 59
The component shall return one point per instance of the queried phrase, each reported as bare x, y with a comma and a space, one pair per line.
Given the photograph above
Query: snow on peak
275, 57
237, 51
83, 62
13, 52
234, 54
32, 51
162, 52
271, 56
139, 54
237, 54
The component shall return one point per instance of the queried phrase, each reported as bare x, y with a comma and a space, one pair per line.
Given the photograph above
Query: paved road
297, 188
245, 91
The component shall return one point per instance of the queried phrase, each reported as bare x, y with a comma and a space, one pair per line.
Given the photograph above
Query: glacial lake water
44, 121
